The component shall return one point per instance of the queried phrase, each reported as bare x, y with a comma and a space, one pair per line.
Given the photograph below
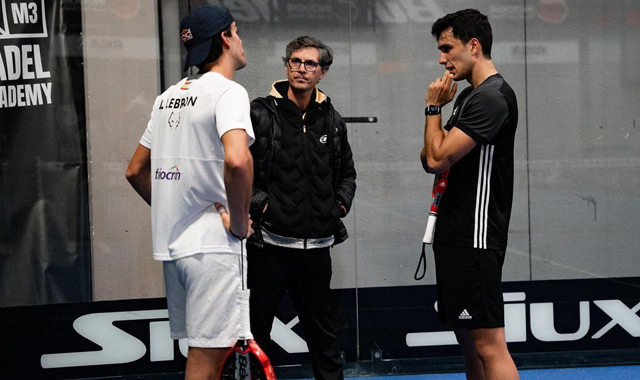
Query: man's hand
441, 91
226, 221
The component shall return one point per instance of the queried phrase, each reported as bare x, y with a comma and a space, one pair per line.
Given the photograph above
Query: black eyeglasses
295, 63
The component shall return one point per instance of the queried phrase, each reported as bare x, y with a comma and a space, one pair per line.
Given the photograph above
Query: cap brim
197, 54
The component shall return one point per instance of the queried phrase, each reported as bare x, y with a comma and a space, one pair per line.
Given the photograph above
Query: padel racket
246, 360
439, 186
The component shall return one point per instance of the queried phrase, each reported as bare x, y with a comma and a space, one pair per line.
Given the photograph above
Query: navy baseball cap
197, 29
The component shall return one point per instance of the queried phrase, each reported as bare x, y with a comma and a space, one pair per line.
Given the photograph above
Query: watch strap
432, 110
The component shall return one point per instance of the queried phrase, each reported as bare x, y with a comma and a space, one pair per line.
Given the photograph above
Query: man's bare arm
139, 172
442, 149
238, 178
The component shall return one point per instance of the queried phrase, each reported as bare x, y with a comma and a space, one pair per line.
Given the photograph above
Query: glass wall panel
583, 89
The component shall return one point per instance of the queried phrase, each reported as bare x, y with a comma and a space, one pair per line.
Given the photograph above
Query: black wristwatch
431, 110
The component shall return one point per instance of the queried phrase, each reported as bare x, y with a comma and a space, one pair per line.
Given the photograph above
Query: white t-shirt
187, 164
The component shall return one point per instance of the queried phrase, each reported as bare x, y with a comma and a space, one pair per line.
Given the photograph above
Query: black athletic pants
306, 275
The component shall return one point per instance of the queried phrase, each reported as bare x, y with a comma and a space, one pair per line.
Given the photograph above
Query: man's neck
220, 67
300, 98
481, 71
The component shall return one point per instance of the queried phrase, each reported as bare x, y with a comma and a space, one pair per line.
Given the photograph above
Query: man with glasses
304, 183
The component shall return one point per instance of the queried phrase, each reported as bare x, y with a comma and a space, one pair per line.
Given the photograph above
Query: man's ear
225, 39
476, 47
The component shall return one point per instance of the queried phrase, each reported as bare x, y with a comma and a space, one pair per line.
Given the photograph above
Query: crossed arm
442, 149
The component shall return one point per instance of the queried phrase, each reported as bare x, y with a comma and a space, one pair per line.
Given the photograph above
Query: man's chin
241, 64
458, 77
300, 86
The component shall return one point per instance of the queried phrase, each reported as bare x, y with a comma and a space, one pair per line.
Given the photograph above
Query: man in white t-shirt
194, 168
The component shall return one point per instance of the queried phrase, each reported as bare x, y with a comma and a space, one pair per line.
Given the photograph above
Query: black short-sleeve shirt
476, 206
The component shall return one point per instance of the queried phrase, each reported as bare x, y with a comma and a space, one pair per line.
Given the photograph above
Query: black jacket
268, 116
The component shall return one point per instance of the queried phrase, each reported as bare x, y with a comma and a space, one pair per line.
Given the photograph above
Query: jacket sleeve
261, 126
346, 187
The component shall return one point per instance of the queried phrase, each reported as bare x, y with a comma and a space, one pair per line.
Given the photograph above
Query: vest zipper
305, 155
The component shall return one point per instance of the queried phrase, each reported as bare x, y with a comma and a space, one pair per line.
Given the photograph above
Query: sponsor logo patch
172, 174
464, 315
186, 35
174, 120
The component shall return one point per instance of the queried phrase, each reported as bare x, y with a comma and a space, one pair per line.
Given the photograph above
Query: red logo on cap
186, 35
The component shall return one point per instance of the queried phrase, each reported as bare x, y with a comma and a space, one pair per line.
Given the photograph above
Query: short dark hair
466, 24
325, 52
216, 48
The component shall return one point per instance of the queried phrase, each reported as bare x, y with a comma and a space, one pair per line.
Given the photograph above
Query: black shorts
469, 284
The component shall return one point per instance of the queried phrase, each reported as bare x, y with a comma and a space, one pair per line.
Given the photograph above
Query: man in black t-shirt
476, 146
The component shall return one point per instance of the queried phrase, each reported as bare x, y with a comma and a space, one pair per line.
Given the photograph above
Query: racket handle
243, 303
431, 228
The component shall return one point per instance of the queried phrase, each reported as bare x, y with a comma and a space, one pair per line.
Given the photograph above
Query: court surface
617, 372
625, 372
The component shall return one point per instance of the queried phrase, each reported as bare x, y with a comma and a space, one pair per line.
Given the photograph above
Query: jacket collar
280, 87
